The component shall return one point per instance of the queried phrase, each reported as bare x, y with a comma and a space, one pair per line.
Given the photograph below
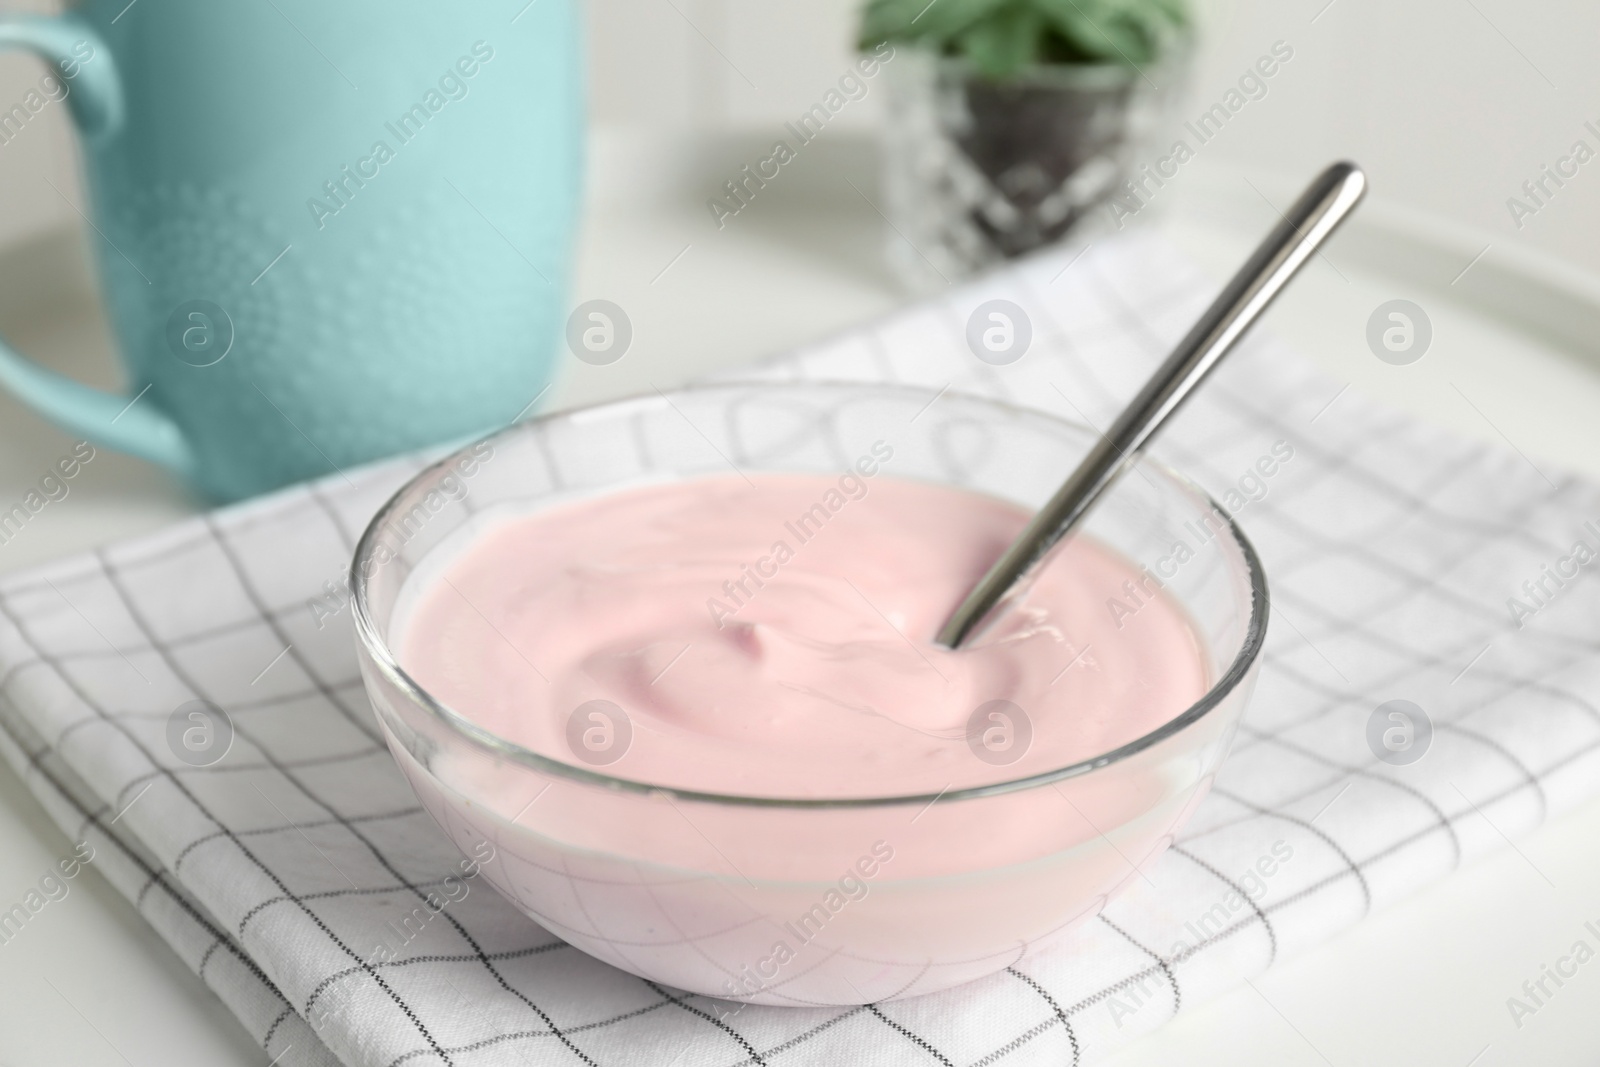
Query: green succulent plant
1002, 38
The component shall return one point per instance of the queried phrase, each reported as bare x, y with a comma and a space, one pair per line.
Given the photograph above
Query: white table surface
1423, 983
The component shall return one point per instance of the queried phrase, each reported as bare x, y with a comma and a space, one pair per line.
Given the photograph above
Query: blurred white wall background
1450, 104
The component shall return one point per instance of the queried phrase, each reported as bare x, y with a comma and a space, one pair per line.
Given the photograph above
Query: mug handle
95, 102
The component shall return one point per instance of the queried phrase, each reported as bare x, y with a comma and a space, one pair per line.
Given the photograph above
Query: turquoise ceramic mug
325, 232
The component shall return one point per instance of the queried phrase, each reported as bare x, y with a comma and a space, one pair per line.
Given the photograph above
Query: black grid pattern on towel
1391, 550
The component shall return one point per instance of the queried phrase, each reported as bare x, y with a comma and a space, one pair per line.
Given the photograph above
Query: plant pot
977, 172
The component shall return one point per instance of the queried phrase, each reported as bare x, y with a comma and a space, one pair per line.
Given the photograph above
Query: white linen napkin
1392, 550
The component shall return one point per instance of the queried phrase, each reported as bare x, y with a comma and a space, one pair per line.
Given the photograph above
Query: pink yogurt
772, 637
775, 639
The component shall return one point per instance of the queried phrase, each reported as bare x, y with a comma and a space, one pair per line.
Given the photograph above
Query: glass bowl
805, 901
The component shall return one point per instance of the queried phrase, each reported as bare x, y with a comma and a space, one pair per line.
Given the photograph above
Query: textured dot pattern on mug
196, 244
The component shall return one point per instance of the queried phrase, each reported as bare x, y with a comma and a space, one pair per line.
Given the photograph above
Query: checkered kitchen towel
1392, 551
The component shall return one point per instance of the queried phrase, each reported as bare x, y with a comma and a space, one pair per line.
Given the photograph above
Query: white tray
1514, 358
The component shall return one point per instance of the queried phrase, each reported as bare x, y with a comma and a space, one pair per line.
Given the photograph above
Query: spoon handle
1315, 216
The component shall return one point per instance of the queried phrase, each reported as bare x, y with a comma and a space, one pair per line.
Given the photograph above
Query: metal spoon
1311, 220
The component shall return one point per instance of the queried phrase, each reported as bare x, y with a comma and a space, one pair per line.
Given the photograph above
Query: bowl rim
382, 657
